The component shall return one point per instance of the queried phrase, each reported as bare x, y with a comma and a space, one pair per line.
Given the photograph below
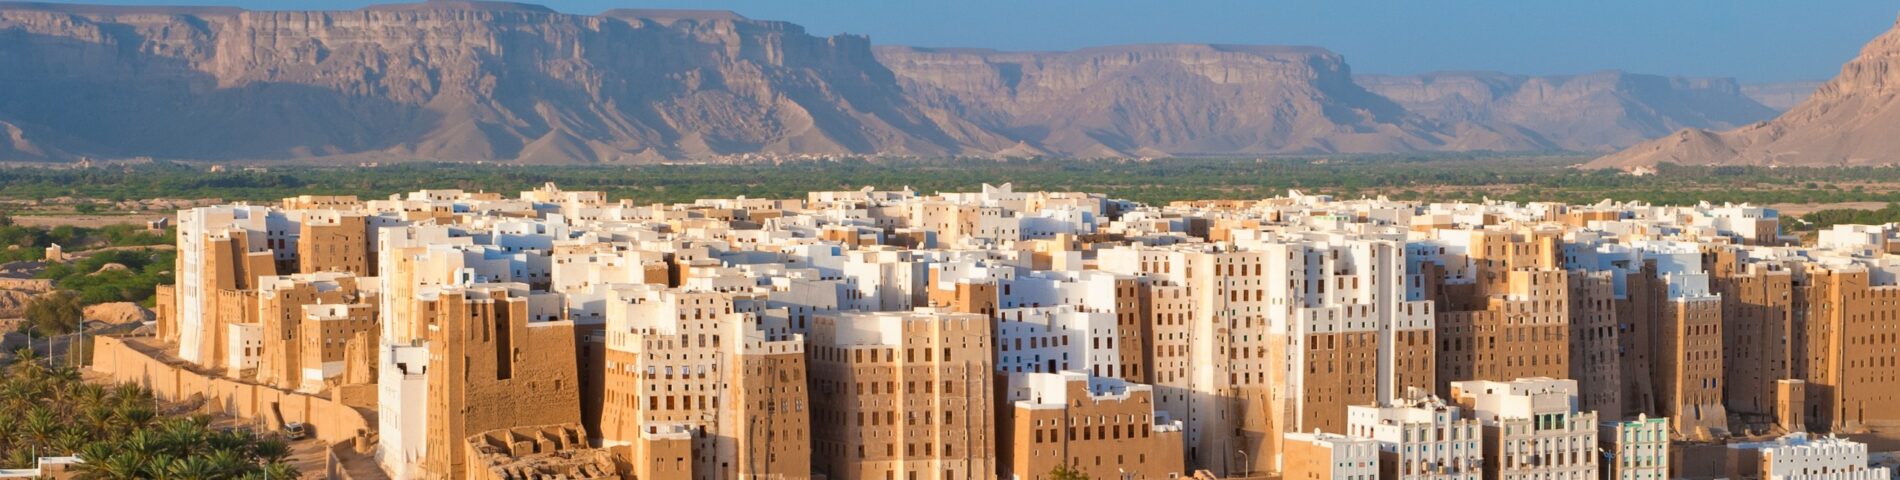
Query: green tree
55, 313
1064, 472
278, 471
117, 432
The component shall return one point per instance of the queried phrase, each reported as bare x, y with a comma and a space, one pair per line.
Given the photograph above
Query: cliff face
448, 80
1850, 120
463, 80
1174, 100
1595, 112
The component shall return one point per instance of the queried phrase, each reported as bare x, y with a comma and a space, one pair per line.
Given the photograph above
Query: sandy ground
88, 221
1879, 439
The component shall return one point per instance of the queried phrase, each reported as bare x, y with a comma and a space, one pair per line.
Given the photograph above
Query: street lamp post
1246, 467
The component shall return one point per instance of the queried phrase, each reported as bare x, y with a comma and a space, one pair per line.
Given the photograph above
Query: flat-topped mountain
1853, 119
1173, 100
473, 80
1595, 112
446, 80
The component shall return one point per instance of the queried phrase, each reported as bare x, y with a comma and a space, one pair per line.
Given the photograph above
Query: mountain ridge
1848, 121
466, 80
1596, 111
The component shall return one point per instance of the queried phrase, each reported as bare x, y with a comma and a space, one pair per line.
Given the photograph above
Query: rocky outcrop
462, 80
446, 80
1849, 121
118, 313
1152, 100
1596, 112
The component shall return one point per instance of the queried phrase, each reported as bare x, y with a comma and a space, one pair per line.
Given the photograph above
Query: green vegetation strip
119, 432
1404, 177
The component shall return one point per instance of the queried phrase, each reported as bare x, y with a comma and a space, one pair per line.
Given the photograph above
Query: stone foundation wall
328, 420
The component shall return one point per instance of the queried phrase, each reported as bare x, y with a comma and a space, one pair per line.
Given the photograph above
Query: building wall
1639, 312
1689, 368
1523, 332
664, 454
1132, 330
490, 369
1421, 439
1636, 450
1108, 435
1757, 324
402, 388
1849, 348
280, 309
332, 241
329, 420
687, 358
1330, 457
328, 333
1595, 361
771, 424
1532, 429
924, 398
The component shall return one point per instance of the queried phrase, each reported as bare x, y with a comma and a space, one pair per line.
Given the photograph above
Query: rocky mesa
1852, 120
1601, 111
1156, 100
461, 80
446, 80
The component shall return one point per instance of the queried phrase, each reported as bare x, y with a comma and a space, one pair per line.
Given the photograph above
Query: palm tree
97, 452
9, 425
119, 433
122, 466
93, 460
181, 435
279, 471
40, 426
97, 418
70, 440
65, 375
189, 468
270, 450
20, 458
226, 463
232, 440
136, 416
158, 466
144, 442
17, 393
24, 359
129, 393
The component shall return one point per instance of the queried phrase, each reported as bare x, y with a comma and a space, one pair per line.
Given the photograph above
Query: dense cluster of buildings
893, 335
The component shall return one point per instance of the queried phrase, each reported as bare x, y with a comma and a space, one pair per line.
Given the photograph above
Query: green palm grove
119, 432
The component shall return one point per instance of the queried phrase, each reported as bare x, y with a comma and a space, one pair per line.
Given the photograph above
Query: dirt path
1798, 209
88, 221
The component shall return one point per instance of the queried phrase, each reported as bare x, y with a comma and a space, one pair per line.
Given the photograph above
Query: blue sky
1754, 40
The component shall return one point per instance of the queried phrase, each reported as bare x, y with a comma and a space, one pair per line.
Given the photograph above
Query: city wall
327, 419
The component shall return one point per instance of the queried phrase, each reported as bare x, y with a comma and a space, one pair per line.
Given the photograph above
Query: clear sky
1754, 40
